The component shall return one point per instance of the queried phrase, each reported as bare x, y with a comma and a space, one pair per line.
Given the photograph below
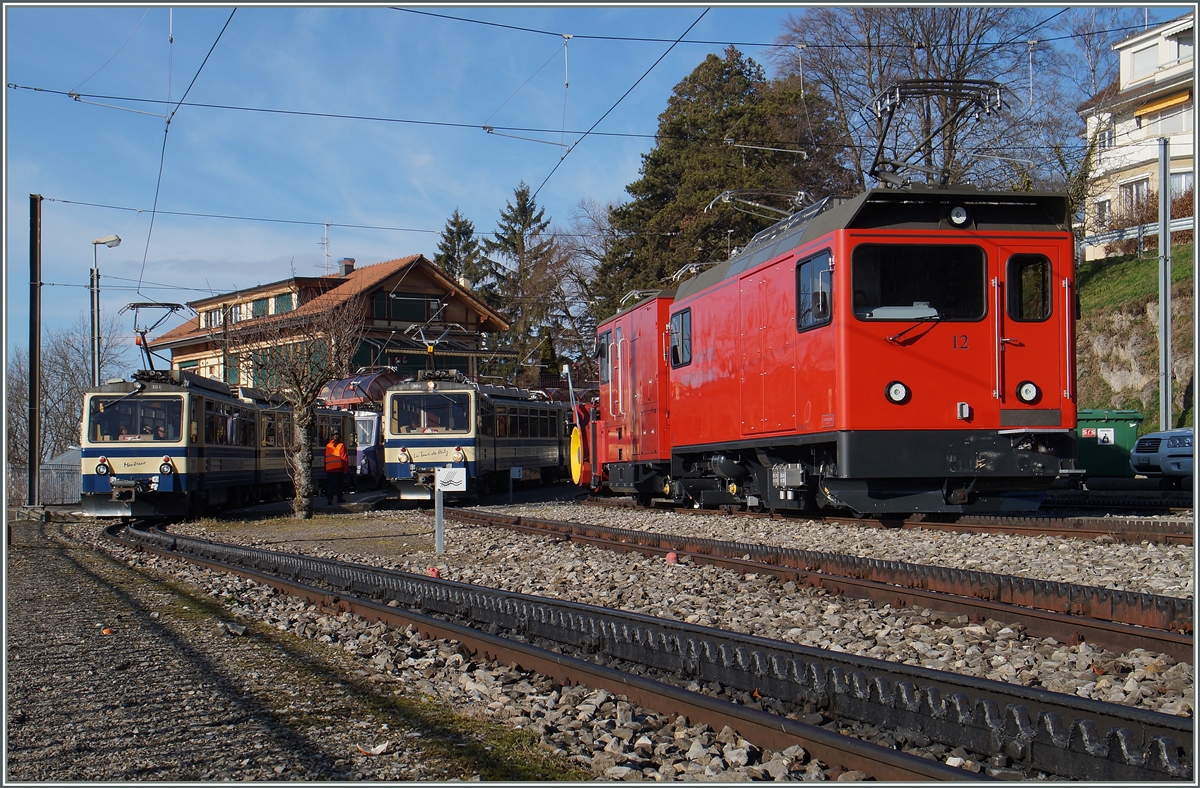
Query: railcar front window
434, 412
138, 418
364, 432
919, 282
1028, 287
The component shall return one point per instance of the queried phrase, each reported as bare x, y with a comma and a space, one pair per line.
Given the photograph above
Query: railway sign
451, 479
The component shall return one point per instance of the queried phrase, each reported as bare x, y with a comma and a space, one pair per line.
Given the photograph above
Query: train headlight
403, 456
959, 216
102, 468
897, 393
1028, 392
459, 456
166, 468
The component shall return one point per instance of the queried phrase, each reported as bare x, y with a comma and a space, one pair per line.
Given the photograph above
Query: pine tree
726, 127
459, 253
521, 254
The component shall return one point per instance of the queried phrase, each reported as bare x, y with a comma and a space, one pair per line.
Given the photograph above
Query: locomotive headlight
403, 456
1028, 392
959, 216
897, 393
102, 468
459, 455
166, 468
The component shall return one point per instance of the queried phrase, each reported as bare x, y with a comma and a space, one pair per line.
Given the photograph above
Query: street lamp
110, 241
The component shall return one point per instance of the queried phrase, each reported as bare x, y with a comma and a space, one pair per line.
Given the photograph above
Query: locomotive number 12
960, 342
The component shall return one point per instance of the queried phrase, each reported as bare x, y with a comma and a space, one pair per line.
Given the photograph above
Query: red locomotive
906, 350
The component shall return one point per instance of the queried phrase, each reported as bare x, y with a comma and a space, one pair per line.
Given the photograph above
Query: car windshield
431, 412
919, 282
141, 418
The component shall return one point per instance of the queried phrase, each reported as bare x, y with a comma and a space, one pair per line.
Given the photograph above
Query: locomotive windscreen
431, 412
917, 281
141, 418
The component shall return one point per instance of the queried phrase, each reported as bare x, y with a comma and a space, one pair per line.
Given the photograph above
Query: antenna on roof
325, 243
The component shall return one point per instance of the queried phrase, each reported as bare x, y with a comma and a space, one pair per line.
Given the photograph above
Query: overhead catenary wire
166, 128
618, 101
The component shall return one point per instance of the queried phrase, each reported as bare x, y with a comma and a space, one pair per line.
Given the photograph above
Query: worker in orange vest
336, 465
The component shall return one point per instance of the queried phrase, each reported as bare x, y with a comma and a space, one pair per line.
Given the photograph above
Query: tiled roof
358, 281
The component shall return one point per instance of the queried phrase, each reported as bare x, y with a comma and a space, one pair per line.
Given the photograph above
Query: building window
231, 371
409, 307
1181, 183
1143, 63
681, 338
1103, 214
1134, 194
211, 318
283, 303
235, 313
1183, 43
1105, 137
259, 307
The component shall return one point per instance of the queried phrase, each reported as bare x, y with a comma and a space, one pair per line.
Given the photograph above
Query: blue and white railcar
443, 420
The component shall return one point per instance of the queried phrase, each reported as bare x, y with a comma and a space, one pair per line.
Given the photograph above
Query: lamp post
110, 241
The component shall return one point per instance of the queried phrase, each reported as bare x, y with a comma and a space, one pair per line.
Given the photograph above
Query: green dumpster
1105, 439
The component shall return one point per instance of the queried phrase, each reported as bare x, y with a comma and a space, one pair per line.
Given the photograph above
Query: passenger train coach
907, 350
175, 444
442, 420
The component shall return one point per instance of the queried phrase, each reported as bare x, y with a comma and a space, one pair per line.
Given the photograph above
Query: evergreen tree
726, 127
521, 254
459, 254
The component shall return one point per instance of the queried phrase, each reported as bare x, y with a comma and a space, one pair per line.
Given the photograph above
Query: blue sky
363, 61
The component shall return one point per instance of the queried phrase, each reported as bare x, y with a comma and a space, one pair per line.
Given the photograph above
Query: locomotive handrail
998, 393
1068, 319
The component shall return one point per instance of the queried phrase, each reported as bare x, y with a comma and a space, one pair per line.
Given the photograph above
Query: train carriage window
512, 423
523, 424
142, 418
603, 360
501, 422
1028, 287
268, 429
814, 292
681, 338
486, 418
919, 282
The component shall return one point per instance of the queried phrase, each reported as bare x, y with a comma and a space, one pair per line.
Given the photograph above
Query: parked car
1166, 454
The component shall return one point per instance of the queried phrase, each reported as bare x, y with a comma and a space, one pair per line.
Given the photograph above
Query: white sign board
451, 479
1106, 436
515, 472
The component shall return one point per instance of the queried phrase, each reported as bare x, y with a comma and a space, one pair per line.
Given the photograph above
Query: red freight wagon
907, 350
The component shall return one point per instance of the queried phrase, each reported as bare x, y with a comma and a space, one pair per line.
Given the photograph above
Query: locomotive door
1032, 306
767, 339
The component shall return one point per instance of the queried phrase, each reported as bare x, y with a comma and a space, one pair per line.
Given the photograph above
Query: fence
57, 484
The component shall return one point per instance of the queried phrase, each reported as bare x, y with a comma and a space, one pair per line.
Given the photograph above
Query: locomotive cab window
1028, 287
814, 292
140, 418
681, 338
919, 282
602, 358
430, 413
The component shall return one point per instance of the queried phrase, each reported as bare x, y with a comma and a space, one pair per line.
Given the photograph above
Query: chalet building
1152, 98
416, 318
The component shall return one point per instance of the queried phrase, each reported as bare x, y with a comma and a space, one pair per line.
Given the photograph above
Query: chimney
345, 266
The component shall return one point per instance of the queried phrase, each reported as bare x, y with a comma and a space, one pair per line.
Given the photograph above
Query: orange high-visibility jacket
336, 460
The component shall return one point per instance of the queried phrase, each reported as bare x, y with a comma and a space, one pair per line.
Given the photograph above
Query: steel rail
1134, 530
1070, 613
762, 728
1051, 732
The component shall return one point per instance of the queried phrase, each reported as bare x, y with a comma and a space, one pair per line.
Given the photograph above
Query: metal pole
34, 460
95, 288
1165, 409
439, 528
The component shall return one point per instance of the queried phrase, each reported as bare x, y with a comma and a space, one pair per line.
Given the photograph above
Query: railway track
1068, 612
1123, 529
1041, 732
